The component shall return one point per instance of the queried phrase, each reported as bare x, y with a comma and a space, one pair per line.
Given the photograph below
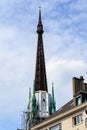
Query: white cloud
79, 6
15, 74
61, 72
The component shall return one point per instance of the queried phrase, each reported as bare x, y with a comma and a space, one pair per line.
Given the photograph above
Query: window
78, 100
56, 127
77, 120
86, 122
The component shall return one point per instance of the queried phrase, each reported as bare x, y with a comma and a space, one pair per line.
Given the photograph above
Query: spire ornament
53, 103
34, 105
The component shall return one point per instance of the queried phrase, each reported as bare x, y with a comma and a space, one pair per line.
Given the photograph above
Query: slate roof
68, 106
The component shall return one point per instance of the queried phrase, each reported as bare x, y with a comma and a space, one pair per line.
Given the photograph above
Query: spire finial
53, 104
40, 22
40, 26
53, 90
34, 88
29, 98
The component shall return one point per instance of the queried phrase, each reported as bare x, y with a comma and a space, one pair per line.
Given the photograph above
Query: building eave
57, 118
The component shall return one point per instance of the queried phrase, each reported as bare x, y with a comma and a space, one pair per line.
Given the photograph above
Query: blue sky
65, 44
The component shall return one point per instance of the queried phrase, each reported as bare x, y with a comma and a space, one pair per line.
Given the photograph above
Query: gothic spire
53, 103
34, 105
40, 72
29, 98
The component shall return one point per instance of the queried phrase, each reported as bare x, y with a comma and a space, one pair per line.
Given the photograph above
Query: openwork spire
40, 72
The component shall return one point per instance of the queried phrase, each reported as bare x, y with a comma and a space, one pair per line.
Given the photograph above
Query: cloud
61, 72
15, 59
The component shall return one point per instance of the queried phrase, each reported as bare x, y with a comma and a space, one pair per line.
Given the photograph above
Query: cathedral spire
40, 72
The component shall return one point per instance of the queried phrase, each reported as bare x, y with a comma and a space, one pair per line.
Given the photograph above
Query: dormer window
77, 119
79, 91
78, 100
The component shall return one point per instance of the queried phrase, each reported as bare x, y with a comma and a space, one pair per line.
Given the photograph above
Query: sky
65, 46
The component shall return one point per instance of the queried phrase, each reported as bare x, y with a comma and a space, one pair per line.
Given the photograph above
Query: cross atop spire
40, 72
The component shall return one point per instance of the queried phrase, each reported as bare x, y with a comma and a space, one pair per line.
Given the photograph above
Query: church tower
40, 84
41, 103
